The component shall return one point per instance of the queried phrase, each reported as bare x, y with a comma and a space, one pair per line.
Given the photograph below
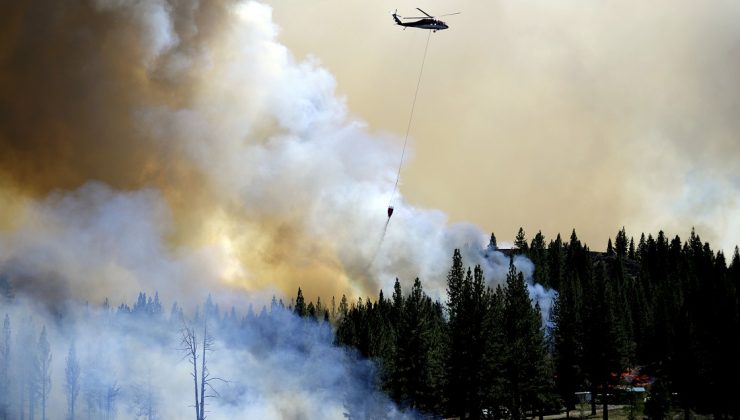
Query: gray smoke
180, 145
177, 147
271, 366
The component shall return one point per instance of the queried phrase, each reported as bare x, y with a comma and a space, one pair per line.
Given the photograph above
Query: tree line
667, 309
86, 381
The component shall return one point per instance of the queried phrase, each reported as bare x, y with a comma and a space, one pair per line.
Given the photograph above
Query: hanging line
408, 127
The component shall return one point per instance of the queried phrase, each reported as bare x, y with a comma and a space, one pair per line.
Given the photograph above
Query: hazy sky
549, 115
184, 145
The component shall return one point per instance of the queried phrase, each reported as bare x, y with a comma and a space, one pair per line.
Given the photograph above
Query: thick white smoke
268, 366
317, 167
95, 243
285, 180
261, 182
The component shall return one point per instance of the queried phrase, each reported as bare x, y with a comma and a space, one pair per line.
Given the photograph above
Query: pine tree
467, 311
414, 344
397, 303
493, 381
477, 309
492, 245
436, 400
383, 335
157, 309
555, 262
605, 341
566, 341
310, 311
319, 307
343, 307
641, 247
300, 304
520, 242
620, 244
526, 370
538, 255
457, 350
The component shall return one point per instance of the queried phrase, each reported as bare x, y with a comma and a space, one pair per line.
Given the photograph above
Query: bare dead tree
204, 374
26, 370
196, 349
72, 380
189, 344
44, 370
111, 397
145, 401
4, 370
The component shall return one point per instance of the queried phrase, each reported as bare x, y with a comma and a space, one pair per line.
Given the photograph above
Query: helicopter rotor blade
428, 15
416, 17
450, 14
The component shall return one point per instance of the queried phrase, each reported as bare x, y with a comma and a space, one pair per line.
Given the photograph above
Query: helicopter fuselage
433, 24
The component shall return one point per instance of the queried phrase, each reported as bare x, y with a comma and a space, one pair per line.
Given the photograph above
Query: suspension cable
411, 118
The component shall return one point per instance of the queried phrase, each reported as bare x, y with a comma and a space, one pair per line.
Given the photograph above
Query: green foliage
406, 336
567, 341
620, 244
667, 307
555, 262
538, 254
526, 367
300, 304
492, 245
520, 242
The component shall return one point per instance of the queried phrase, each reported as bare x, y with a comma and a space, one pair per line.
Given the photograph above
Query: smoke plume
177, 147
172, 145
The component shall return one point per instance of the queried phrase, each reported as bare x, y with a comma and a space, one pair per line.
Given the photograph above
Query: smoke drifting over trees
108, 362
177, 147
177, 144
660, 316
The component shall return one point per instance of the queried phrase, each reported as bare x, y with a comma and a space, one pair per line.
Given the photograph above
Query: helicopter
428, 22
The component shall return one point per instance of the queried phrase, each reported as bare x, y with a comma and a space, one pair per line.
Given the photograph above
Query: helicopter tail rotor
395, 17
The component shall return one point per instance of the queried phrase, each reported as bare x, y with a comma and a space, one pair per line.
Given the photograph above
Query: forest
656, 314
660, 311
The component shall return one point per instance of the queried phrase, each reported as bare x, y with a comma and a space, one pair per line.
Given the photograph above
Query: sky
549, 115
252, 147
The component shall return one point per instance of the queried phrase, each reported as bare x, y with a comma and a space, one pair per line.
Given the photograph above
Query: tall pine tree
526, 369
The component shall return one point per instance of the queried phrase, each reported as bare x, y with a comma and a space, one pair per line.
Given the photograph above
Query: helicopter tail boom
395, 17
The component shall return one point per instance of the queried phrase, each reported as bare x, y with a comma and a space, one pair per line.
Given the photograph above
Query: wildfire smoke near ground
178, 148
170, 175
